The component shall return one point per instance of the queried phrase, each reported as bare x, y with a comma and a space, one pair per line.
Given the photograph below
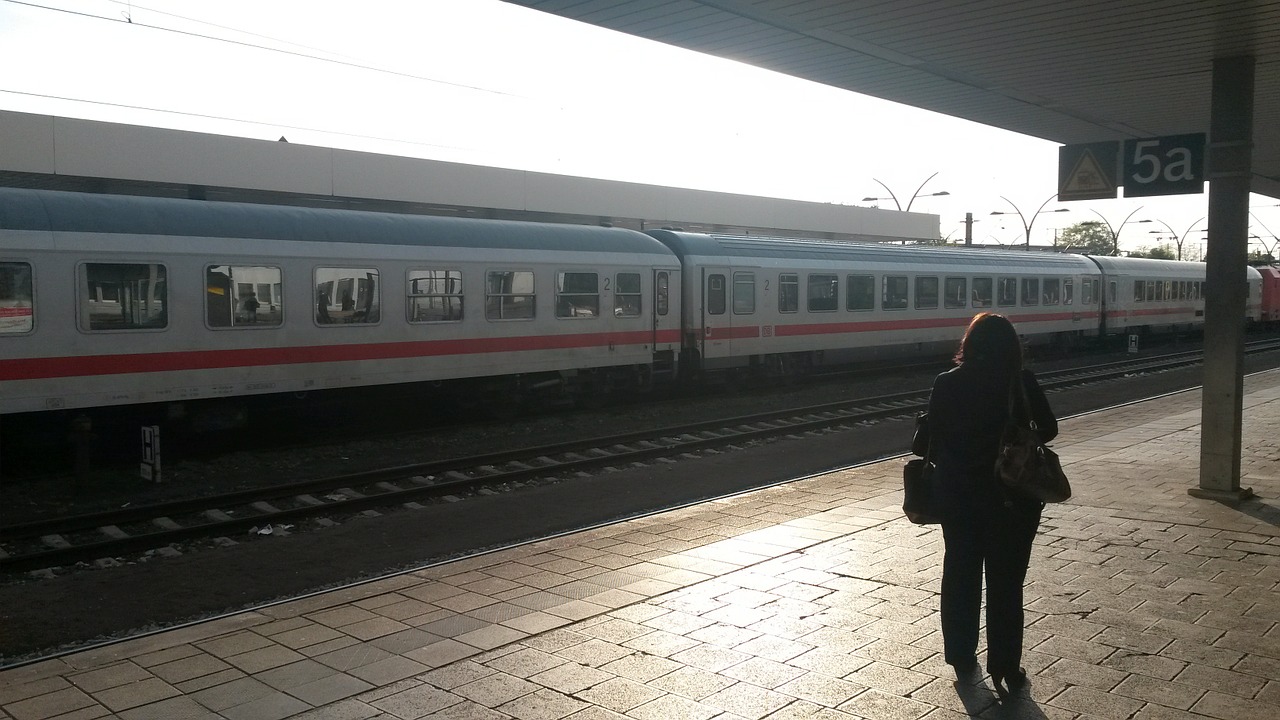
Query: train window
577, 295
17, 312
435, 296
1167, 287
626, 295
1051, 291
788, 293
715, 294
347, 296
1007, 291
824, 293
663, 294
1087, 288
242, 296
1151, 290
862, 292
1030, 291
508, 295
955, 292
1112, 293
926, 293
123, 296
894, 296
1068, 292
744, 293
982, 292
1139, 290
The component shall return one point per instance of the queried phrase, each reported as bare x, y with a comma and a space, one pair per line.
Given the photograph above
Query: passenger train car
108, 301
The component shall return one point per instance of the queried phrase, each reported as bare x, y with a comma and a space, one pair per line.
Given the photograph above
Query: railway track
84, 538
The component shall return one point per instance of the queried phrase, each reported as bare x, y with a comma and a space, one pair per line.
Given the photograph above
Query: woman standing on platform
982, 524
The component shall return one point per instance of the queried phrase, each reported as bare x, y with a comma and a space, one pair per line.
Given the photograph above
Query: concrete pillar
1230, 166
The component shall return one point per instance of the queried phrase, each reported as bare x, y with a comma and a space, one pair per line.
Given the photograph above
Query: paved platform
815, 599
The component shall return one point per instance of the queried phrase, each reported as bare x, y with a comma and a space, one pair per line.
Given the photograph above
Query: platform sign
150, 467
1088, 171
1170, 165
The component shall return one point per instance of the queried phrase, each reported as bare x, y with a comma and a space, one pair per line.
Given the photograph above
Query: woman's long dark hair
991, 339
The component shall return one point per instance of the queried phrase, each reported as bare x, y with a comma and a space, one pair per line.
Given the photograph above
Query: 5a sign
1172, 165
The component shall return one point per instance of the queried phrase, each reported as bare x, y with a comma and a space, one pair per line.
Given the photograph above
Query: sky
487, 83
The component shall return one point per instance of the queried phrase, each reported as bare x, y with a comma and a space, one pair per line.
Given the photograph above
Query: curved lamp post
1177, 239
917, 194
1115, 231
1026, 224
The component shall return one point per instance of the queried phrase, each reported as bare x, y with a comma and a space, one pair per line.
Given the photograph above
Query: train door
666, 318
717, 321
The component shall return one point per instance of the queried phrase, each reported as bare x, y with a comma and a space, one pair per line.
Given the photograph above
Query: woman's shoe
1010, 682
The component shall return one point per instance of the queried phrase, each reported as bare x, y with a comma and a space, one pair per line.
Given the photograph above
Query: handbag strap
1018, 391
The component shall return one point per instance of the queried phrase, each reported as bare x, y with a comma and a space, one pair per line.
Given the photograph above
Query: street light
1177, 239
1026, 225
1115, 232
917, 194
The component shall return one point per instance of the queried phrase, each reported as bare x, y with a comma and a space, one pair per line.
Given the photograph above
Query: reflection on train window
982, 288
895, 293
626, 295
1052, 294
1197, 290
242, 296
347, 296
123, 296
926, 293
1139, 290
954, 291
715, 295
508, 295
862, 292
824, 293
663, 293
1088, 287
1030, 291
1068, 291
1151, 290
744, 293
17, 312
577, 295
1007, 291
788, 293
435, 296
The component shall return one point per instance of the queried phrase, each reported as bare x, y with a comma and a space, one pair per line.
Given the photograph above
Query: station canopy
1070, 71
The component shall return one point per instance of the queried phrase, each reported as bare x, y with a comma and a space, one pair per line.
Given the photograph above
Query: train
110, 301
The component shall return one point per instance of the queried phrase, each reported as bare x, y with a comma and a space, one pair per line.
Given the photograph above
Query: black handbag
1025, 465
919, 480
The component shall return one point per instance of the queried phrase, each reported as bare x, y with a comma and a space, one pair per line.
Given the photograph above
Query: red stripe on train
37, 368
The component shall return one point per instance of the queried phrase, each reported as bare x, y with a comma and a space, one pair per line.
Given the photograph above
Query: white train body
127, 309
108, 301
745, 298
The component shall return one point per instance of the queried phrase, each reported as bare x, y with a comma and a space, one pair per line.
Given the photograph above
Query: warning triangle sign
1087, 172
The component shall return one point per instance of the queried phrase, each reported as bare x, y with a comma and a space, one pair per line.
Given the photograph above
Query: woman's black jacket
967, 413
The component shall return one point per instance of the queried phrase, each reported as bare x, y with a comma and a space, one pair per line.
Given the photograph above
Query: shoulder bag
919, 481
1026, 465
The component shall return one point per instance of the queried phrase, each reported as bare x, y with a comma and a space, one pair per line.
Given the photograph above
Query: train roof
697, 244
1147, 266
57, 211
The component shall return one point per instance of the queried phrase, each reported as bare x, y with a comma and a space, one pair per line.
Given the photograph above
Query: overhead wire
206, 116
242, 43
